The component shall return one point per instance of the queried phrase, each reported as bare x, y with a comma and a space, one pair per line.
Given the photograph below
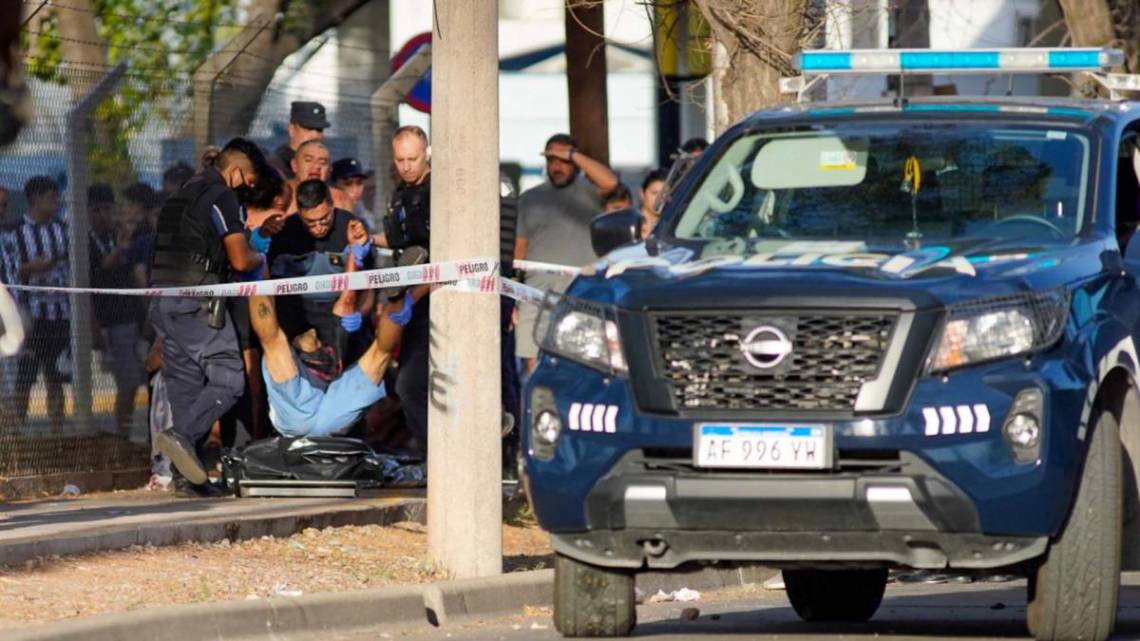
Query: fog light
547, 427
1023, 426
545, 424
1023, 431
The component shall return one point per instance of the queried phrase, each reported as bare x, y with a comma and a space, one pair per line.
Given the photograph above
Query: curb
344, 612
233, 528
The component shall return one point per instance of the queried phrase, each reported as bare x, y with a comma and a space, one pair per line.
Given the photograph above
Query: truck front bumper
652, 513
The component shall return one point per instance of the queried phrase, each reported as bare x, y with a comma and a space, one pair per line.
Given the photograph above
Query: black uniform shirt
294, 252
221, 214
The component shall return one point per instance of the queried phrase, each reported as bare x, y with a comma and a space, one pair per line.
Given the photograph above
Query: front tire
1073, 595
835, 596
590, 601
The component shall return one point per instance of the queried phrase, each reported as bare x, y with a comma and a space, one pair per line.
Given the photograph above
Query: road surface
977, 612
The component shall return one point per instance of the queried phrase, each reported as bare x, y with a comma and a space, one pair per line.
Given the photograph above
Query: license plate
795, 447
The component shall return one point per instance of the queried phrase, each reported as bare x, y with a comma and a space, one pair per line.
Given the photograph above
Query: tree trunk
82, 48
758, 38
586, 78
1104, 23
228, 87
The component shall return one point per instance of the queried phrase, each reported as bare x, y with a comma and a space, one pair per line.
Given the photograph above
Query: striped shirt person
36, 253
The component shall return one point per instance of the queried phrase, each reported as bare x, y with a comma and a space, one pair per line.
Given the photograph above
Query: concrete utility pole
465, 497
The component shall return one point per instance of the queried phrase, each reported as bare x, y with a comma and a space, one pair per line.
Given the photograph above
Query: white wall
533, 106
977, 24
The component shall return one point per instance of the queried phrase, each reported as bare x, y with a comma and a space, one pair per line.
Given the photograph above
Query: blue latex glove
259, 243
352, 322
359, 252
255, 273
404, 316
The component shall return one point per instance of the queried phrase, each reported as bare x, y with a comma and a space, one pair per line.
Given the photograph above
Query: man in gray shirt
554, 223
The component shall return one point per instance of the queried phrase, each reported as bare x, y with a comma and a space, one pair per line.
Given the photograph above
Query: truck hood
820, 273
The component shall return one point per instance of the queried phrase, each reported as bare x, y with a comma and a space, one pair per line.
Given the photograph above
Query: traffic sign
419, 97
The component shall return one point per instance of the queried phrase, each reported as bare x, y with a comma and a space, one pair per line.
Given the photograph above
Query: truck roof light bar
959, 61
818, 65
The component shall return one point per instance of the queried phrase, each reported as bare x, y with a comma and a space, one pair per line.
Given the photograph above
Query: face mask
244, 194
243, 191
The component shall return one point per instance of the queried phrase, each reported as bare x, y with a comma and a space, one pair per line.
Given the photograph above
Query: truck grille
833, 354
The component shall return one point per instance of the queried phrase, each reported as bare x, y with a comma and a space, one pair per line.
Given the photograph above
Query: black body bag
330, 458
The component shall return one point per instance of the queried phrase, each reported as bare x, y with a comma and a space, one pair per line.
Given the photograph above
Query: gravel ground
331, 560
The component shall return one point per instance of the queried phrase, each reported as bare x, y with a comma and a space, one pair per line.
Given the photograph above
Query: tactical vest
187, 250
408, 222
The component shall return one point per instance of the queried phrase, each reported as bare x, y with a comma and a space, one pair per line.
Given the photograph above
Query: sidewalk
74, 526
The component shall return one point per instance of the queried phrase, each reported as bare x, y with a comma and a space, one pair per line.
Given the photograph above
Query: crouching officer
200, 241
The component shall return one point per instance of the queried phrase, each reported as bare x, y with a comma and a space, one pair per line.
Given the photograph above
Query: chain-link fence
80, 191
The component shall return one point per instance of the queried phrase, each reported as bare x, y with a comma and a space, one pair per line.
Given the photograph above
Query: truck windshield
896, 184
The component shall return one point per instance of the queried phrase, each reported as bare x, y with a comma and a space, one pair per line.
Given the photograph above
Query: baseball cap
310, 115
347, 168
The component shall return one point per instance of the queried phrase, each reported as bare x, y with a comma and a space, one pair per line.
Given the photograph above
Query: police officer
408, 224
200, 241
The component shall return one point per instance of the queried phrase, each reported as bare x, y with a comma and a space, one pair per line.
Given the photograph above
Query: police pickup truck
864, 336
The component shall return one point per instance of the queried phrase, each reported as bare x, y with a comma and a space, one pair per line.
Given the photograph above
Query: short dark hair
141, 194
652, 177
270, 184
561, 139
242, 147
313, 193
621, 192
40, 185
179, 173
694, 144
100, 194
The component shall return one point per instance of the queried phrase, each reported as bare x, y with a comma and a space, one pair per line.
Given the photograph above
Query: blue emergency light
1027, 60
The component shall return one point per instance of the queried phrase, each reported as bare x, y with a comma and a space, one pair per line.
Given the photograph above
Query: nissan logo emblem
765, 347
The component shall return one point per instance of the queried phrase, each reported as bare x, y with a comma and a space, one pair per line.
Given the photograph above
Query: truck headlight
990, 329
584, 332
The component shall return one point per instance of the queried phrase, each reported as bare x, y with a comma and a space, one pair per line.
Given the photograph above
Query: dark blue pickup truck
899, 334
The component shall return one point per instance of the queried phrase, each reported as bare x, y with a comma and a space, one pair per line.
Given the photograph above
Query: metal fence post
78, 238
385, 102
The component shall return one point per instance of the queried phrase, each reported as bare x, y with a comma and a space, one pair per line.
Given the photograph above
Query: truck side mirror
610, 231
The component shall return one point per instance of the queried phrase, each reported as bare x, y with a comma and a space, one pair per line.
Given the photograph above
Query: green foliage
162, 41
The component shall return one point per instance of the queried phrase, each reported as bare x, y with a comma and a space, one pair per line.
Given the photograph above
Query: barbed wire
171, 21
137, 18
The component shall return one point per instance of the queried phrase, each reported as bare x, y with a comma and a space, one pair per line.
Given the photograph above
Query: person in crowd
307, 121
117, 261
310, 391
347, 180
554, 223
407, 225
310, 162
200, 241
209, 157
694, 147
651, 188
36, 251
264, 218
312, 243
174, 177
620, 199
139, 210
